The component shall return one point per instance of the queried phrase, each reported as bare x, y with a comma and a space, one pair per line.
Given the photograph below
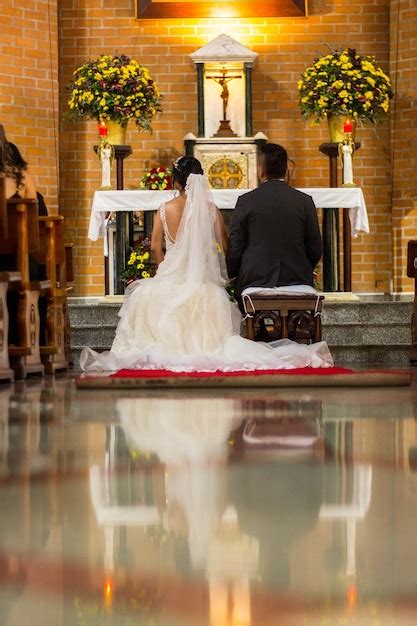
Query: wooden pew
3, 208
412, 273
68, 279
51, 253
8, 280
22, 240
5, 371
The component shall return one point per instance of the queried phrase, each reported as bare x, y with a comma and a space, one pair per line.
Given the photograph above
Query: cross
222, 81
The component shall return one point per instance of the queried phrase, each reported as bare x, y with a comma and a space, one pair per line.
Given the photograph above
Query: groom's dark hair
274, 160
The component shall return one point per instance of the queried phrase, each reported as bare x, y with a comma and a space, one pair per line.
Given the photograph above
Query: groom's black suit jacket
274, 238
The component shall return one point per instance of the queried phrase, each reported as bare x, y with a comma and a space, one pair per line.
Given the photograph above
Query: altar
106, 202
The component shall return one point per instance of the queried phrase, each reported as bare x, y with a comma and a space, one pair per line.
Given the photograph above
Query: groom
274, 237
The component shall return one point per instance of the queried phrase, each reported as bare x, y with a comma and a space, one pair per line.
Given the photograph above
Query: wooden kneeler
22, 240
51, 253
296, 317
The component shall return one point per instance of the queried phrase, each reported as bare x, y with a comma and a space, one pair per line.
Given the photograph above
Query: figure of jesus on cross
225, 129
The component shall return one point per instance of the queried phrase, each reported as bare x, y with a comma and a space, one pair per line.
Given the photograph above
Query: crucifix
224, 128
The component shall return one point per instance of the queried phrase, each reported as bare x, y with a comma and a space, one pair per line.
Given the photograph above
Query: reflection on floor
236, 508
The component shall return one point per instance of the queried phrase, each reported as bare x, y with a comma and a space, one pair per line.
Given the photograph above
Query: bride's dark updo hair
183, 167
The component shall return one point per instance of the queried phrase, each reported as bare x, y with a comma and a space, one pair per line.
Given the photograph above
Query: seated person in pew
18, 184
20, 163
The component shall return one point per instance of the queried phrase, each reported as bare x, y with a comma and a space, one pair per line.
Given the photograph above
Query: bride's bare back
174, 210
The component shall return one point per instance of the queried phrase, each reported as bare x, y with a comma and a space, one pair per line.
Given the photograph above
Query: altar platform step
361, 333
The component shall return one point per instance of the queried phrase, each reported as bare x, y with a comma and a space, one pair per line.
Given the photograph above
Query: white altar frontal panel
143, 200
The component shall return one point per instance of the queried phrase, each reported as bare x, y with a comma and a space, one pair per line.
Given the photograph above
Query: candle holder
105, 153
102, 129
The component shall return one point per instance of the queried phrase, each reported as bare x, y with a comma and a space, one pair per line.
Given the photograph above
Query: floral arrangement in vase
114, 88
140, 264
344, 83
157, 178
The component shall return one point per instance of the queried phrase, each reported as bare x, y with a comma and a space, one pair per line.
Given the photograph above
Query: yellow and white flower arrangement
139, 265
345, 83
114, 88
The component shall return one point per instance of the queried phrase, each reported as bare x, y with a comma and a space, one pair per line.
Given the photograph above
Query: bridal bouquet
156, 178
345, 83
114, 88
139, 264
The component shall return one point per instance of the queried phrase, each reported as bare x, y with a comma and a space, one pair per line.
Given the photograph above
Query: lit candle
347, 127
102, 128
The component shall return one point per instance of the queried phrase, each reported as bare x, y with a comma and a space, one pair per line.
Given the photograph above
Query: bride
182, 319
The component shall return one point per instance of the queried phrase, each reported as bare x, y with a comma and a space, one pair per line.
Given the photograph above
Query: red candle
102, 128
347, 127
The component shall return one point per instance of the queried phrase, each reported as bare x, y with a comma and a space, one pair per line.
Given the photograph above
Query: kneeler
23, 239
296, 317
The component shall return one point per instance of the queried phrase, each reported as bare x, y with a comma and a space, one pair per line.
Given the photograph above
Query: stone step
347, 335
85, 313
89, 315
375, 312
369, 334
358, 333
371, 356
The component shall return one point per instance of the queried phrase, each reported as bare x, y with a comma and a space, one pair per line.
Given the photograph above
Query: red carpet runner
302, 371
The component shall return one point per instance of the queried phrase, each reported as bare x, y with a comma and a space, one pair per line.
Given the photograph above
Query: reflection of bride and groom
238, 514
183, 318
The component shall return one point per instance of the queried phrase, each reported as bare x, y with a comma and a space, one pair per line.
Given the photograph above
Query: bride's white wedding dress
182, 319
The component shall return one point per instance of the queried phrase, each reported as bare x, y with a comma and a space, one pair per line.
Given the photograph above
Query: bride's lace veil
195, 257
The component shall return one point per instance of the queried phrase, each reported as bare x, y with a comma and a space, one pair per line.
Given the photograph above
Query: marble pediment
224, 49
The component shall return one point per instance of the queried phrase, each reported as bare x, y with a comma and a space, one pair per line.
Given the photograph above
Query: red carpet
303, 377
303, 371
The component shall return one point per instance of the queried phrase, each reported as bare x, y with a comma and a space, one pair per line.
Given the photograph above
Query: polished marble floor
235, 508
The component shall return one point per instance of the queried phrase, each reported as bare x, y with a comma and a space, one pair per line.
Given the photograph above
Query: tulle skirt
192, 326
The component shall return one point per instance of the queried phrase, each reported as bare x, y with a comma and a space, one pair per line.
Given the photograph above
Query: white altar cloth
144, 200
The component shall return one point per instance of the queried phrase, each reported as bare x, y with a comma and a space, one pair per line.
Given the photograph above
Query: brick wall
284, 46
29, 94
404, 135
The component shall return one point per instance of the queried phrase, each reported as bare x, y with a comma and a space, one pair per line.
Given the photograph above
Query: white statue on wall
346, 150
105, 154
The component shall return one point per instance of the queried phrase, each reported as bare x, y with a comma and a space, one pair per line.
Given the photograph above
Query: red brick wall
404, 135
284, 46
29, 93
